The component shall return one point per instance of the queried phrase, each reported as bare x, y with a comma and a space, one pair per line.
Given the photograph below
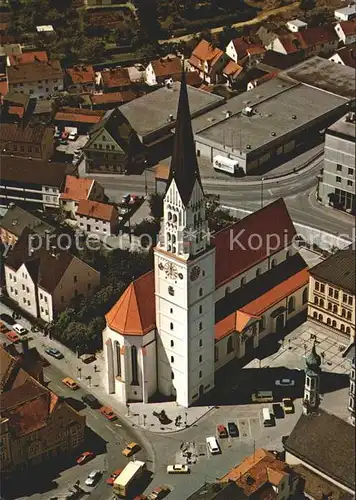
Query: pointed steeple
184, 165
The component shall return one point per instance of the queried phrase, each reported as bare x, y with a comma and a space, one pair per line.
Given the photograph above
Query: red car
85, 457
65, 135
110, 480
13, 337
108, 413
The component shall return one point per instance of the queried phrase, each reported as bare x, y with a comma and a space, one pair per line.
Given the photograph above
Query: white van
268, 420
213, 445
262, 397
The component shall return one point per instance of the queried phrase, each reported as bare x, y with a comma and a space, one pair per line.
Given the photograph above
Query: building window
338, 179
200, 292
216, 353
75, 279
348, 314
200, 374
291, 305
200, 309
336, 294
262, 324
118, 360
200, 359
258, 271
200, 343
350, 300
171, 290
171, 326
172, 375
330, 306
315, 315
172, 343
328, 321
200, 326
305, 296
350, 183
321, 303
334, 308
339, 167
344, 298
342, 327
320, 318
317, 286
348, 330
172, 359
350, 171
229, 346
331, 292
343, 313
171, 310
322, 288
134, 368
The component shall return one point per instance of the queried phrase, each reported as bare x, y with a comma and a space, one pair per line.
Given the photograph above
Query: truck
132, 472
227, 165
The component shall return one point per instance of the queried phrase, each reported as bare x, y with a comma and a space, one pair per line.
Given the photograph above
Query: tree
156, 205
307, 5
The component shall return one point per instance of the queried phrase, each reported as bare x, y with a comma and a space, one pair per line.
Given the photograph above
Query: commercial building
337, 184
32, 184
324, 444
39, 78
42, 279
36, 426
332, 291
26, 140
259, 128
350, 354
205, 302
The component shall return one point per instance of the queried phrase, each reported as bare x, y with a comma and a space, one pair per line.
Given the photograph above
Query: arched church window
169, 215
321, 318
305, 296
118, 360
291, 304
229, 346
134, 367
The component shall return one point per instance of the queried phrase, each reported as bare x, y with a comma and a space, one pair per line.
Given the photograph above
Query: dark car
278, 411
91, 401
51, 351
233, 429
8, 319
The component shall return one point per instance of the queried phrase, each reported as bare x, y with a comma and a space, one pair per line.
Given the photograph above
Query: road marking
110, 428
270, 192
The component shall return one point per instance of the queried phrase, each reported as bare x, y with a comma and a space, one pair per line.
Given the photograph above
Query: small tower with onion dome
311, 399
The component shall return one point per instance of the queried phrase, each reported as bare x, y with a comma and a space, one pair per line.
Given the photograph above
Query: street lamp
79, 372
262, 179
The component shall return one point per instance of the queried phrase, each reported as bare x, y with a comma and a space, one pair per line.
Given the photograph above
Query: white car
178, 469
285, 382
73, 136
19, 329
93, 477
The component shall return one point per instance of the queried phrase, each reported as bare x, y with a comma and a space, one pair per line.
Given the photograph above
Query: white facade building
38, 79
345, 13
206, 302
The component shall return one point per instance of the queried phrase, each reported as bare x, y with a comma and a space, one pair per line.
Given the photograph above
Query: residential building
204, 303
350, 354
243, 47
36, 425
97, 217
332, 291
325, 445
77, 189
115, 79
80, 79
13, 107
209, 61
33, 184
39, 79
262, 475
113, 146
337, 184
16, 219
42, 279
233, 73
26, 140
346, 31
162, 69
112, 100
345, 56
79, 118
345, 13
319, 40
26, 57
296, 25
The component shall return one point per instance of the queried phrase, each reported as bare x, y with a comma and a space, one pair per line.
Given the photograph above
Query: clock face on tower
171, 270
194, 273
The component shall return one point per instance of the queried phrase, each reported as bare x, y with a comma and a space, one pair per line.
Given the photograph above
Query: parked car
64, 135
285, 382
178, 469
131, 449
108, 413
233, 429
69, 382
222, 432
63, 142
93, 477
262, 397
3, 328
110, 480
8, 319
85, 457
57, 134
278, 411
158, 493
13, 337
90, 400
20, 329
288, 405
73, 136
126, 198
213, 445
87, 358
51, 351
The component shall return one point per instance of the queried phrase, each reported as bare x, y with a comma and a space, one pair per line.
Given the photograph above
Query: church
209, 298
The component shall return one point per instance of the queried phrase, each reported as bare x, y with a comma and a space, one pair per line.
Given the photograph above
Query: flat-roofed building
337, 182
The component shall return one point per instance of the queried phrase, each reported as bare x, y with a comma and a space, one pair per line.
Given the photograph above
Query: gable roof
205, 51
79, 115
97, 210
348, 27
76, 188
134, 313
34, 71
339, 269
22, 171
244, 46
81, 74
114, 97
232, 69
13, 132
27, 57
273, 219
116, 77
327, 443
167, 66
348, 55
16, 219
184, 167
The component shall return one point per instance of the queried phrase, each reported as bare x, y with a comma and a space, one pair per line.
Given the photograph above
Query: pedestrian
95, 367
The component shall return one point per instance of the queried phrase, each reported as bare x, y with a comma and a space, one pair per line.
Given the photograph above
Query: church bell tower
184, 275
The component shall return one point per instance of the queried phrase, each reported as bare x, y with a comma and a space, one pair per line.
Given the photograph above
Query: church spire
184, 166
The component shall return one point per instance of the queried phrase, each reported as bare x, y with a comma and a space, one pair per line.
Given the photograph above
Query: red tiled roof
96, 210
4, 87
81, 74
232, 69
348, 27
205, 51
79, 115
167, 66
16, 110
134, 313
318, 35
270, 223
245, 47
235, 322
292, 42
28, 57
34, 71
255, 49
348, 55
113, 97
76, 189
276, 294
116, 77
